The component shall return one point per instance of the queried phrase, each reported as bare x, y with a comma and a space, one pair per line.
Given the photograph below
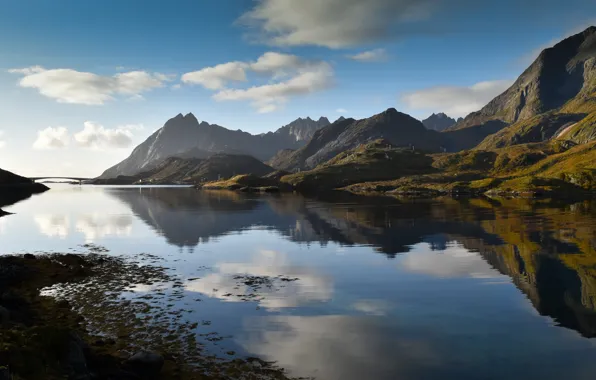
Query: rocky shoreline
88, 331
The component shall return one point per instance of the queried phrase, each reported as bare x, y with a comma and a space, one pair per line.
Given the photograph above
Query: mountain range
553, 102
184, 136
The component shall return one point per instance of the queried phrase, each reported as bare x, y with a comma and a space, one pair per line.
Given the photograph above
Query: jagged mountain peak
184, 133
190, 116
438, 122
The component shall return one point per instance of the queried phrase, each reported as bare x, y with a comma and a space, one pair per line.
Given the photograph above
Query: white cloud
52, 138
96, 136
454, 100
76, 87
334, 23
376, 55
341, 110
215, 78
27, 70
311, 286
268, 98
2, 142
305, 76
278, 64
53, 225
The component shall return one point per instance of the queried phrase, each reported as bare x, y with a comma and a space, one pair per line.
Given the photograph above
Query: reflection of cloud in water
96, 226
341, 347
93, 226
455, 261
372, 307
53, 225
2, 226
310, 287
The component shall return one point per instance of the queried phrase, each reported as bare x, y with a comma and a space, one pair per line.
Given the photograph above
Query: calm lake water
360, 288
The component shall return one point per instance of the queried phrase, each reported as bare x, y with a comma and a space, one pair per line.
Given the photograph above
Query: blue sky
83, 82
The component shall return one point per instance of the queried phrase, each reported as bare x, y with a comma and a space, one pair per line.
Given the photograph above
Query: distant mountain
397, 128
562, 77
438, 122
194, 170
184, 135
302, 129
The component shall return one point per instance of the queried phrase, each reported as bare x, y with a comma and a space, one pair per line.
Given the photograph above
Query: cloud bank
96, 136
52, 138
93, 136
334, 23
456, 101
214, 78
291, 76
77, 87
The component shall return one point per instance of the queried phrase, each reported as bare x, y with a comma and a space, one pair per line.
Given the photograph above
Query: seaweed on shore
78, 316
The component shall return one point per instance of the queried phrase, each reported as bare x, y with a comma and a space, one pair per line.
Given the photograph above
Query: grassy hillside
535, 129
553, 167
377, 160
582, 132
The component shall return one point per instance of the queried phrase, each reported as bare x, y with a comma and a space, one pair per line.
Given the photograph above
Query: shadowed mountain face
397, 128
438, 122
563, 75
193, 170
553, 266
185, 136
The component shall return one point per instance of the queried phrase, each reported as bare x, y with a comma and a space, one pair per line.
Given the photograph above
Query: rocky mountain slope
439, 122
397, 128
301, 129
184, 135
562, 78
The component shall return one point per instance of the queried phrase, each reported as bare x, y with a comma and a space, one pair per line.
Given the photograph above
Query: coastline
89, 332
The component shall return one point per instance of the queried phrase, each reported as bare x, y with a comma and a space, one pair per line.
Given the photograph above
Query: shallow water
353, 288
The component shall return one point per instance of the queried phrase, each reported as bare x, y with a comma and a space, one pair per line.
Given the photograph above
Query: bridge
80, 179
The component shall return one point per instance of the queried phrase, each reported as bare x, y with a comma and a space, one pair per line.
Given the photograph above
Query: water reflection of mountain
186, 217
548, 250
8, 197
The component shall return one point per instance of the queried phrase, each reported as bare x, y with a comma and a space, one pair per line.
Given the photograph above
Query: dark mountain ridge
184, 136
397, 128
439, 122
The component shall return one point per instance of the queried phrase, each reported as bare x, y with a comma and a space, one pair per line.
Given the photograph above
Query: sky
83, 82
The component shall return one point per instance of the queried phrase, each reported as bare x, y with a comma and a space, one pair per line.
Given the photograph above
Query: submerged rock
145, 364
